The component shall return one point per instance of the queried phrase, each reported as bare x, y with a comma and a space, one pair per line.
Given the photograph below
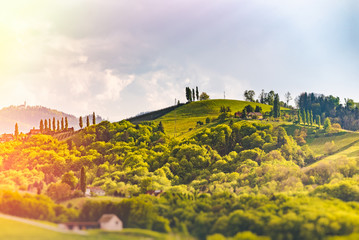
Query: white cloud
113, 86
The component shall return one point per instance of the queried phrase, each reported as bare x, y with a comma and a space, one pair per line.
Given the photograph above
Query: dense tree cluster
243, 178
346, 115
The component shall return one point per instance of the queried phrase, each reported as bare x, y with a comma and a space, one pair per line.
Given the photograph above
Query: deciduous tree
288, 97
203, 96
249, 95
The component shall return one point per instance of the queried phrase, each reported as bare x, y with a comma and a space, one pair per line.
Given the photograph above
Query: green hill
183, 119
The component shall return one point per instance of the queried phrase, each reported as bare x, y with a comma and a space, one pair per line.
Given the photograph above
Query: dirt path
40, 225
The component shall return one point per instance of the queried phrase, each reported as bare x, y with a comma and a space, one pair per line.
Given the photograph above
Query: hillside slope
10, 230
28, 117
184, 118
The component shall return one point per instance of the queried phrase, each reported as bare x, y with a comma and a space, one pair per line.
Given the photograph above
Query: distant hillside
28, 117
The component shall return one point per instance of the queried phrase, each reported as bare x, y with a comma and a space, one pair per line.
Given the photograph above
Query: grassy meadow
184, 118
342, 140
10, 230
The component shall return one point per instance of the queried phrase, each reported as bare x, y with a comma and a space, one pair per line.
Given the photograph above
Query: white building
94, 191
110, 222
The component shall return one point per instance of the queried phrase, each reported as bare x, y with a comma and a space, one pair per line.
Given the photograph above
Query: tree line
45, 125
317, 107
193, 95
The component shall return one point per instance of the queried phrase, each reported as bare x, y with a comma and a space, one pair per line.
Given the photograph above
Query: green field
342, 140
184, 118
14, 230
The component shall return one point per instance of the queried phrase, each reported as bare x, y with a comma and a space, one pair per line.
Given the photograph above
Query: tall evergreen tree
41, 125
49, 124
304, 116
54, 124
93, 118
83, 180
193, 95
66, 124
276, 106
62, 123
308, 117
311, 118
80, 122
87, 121
188, 94
16, 131
46, 127
299, 117
262, 97
197, 93
58, 125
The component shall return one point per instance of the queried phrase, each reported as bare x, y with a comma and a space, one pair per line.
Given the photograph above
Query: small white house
97, 191
110, 222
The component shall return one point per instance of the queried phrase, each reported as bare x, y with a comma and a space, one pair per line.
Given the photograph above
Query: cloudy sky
122, 57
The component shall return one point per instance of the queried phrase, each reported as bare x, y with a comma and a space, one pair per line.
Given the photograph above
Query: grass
341, 140
183, 120
10, 230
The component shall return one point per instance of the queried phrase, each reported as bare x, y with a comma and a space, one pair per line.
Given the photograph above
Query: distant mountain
28, 117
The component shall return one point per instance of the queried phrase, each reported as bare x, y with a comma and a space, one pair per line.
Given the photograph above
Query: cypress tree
49, 124
53, 124
188, 94
46, 124
83, 180
308, 117
197, 93
58, 125
311, 118
193, 95
16, 131
304, 116
299, 117
66, 124
80, 123
276, 106
87, 121
62, 123
318, 121
41, 125
93, 118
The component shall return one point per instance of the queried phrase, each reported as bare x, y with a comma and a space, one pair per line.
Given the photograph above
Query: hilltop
29, 117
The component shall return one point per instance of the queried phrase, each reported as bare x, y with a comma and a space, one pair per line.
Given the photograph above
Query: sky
122, 57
